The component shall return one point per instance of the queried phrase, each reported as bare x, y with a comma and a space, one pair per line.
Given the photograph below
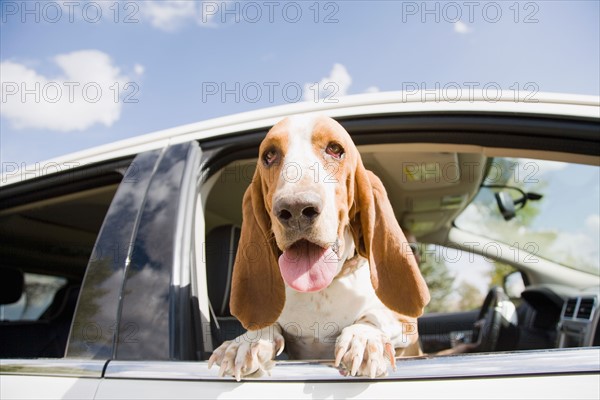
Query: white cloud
173, 14
579, 250
331, 87
592, 222
139, 69
168, 15
462, 28
372, 89
89, 91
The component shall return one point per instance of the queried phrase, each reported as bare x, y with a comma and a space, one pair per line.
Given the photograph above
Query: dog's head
309, 192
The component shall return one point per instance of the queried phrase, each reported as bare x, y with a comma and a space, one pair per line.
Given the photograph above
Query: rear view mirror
506, 204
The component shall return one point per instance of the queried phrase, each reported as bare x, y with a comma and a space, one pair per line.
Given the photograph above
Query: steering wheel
496, 325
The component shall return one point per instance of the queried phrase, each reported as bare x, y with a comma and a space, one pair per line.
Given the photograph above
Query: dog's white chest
311, 322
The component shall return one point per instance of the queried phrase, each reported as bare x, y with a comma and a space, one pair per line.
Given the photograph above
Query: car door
56, 225
139, 296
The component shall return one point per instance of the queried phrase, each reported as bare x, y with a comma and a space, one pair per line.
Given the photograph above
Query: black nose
298, 210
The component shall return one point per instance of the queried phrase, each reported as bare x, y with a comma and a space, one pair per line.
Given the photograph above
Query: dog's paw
363, 350
250, 354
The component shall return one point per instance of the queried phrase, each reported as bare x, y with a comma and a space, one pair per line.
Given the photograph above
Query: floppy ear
395, 274
257, 289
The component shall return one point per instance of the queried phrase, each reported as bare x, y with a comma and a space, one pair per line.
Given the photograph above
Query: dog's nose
298, 210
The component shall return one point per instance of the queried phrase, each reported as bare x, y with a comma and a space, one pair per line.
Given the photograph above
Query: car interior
47, 238
427, 189
429, 186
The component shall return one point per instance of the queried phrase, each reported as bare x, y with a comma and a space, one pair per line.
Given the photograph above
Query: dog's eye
335, 150
269, 157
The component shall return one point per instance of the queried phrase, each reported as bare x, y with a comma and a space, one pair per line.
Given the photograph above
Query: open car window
436, 194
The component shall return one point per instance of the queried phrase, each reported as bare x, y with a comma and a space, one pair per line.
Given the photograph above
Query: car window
458, 280
48, 229
562, 226
38, 293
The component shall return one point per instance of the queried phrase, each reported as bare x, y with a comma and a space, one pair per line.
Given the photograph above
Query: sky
77, 74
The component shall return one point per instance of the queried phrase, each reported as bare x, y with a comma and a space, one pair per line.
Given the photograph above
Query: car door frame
157, 194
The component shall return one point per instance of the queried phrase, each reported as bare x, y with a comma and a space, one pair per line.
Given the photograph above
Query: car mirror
514, 285
508, 204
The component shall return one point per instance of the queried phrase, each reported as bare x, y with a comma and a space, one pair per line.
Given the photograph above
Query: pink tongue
306, 267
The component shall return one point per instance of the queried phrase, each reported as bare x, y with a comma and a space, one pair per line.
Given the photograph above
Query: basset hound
322, 267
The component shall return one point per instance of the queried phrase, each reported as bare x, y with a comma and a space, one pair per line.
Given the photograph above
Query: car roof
381, 103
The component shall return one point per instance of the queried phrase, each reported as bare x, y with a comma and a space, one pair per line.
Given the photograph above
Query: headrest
220, 249
11, 285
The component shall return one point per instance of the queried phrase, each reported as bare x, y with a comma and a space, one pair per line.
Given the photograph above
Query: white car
116, 262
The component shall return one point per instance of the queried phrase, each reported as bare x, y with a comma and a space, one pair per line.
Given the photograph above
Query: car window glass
563, 226
48, 230
38, 293
458, 280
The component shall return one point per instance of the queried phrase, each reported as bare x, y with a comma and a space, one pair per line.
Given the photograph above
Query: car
116, 261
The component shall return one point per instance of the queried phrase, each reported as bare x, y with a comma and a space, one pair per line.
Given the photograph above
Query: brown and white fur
312, 197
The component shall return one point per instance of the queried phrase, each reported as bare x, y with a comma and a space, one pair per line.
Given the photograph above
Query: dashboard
578, 326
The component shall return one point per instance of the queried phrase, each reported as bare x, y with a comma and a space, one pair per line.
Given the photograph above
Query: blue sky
164, 60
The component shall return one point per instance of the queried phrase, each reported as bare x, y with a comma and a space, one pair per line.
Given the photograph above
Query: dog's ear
395, 275
257, 289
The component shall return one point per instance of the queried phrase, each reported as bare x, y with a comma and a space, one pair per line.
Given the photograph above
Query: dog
322, 268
